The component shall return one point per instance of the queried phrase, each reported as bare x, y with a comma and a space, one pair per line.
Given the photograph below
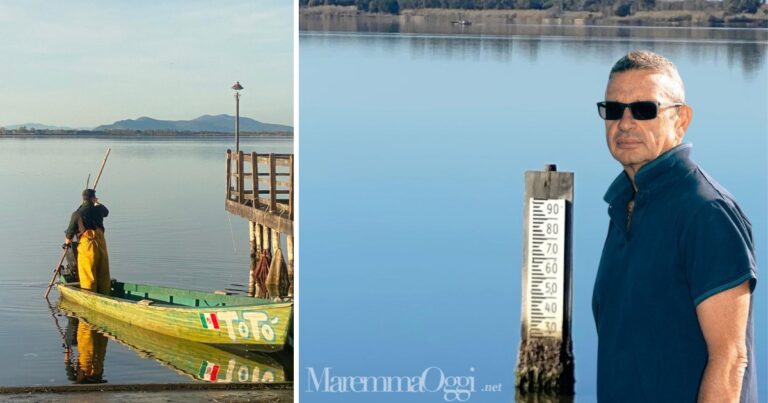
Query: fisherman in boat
92, 257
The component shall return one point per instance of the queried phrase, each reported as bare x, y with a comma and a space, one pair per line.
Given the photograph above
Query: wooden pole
254, 257
266, 238
290, 196
259, 237
229, 174
255, 179
289, 247
55, 273
258, 230
240, 178
273, 278
272, 183
103, 163
545, 362
237, 122
275, 243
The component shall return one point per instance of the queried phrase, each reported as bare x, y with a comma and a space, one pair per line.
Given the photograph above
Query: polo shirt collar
652, 176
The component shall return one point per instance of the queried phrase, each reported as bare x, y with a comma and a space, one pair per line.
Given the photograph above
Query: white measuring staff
546, 264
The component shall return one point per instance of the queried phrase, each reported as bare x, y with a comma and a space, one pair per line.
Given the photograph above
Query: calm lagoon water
413, 149
167, 226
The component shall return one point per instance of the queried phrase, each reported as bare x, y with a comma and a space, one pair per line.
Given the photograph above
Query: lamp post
237, 87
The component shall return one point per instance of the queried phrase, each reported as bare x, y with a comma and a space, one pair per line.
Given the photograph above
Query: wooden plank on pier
267, 192
281, 223
263, 203
280, 159
249, 196
276, 174
268, 182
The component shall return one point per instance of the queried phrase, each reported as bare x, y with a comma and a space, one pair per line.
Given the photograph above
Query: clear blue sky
86, 63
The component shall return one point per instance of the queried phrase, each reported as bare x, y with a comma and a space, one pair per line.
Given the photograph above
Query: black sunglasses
641, 110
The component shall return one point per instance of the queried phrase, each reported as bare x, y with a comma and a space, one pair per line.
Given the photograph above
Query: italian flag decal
209, 321
208, 371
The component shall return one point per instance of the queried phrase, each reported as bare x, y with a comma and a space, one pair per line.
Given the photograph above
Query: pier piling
289, 247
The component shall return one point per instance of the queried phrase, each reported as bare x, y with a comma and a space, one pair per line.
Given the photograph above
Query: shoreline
147, 136
664, 18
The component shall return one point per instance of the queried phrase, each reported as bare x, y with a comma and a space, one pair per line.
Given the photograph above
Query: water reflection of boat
200, 361
226, 320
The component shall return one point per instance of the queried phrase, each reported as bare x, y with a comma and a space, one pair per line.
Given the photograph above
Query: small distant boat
461, 22
231, 321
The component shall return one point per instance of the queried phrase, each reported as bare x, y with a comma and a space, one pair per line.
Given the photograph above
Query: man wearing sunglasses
673, 290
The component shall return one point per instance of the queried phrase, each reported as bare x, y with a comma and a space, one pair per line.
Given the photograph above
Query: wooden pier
260, 188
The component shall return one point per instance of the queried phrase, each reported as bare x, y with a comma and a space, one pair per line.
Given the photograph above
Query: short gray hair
647, 60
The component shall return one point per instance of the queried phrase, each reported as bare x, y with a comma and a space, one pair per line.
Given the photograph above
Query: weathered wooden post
260, 245
272, 183
229, 174
545, 361
273, 278
240, 178
289, 238
275, 241
255, 179
290, 189
266, 239
255, 238
289, 246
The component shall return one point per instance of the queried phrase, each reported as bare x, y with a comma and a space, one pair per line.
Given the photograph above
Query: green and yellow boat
201, 362
229, 321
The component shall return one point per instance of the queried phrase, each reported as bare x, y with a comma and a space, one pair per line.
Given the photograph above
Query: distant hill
205, 123
36, 126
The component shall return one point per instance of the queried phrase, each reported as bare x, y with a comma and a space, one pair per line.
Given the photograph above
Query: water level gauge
545, 357
546, 243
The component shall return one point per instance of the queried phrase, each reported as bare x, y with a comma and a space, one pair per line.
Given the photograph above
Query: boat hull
218, 320
201, 362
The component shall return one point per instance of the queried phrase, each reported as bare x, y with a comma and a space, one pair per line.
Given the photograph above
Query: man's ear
684, 116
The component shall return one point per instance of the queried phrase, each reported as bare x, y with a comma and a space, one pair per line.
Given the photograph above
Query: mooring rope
232, 233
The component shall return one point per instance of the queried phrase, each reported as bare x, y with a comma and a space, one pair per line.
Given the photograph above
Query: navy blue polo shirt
687, 240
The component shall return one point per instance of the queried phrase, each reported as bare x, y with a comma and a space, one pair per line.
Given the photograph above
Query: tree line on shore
24, 131
607, 7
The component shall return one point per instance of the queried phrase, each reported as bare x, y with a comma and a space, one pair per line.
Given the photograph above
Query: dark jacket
87, 216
